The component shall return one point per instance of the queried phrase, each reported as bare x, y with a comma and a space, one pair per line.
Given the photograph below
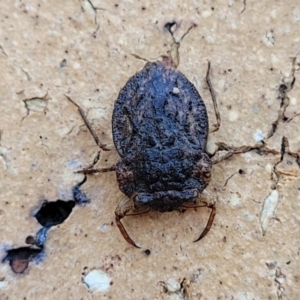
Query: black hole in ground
54, 213
19, 258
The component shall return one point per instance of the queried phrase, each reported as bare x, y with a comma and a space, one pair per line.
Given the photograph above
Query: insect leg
259, 147
97, 170
236, 150
88, 125
213, 97
126, 208
209, 223
200, 202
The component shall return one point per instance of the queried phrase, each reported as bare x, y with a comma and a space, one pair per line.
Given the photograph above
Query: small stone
172, 285
97, 280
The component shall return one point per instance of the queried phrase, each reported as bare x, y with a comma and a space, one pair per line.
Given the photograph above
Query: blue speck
255, 109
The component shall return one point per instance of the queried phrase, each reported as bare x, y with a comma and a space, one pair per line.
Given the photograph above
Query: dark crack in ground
50, 214
3, 153
4, 159
279, 279
3, 51
261, 147
174, 290
285, 87
270, 203
244, 8
62, 64
172, 58
94, 8
36, 104
28, 77
240, 171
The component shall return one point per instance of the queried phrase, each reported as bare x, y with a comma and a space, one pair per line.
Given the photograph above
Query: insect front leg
126, 208
208, 201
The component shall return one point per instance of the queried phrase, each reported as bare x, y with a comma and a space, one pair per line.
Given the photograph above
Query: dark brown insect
160, 129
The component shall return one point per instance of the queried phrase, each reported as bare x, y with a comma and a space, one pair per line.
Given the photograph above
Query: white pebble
97, 280
268, 211
233, 115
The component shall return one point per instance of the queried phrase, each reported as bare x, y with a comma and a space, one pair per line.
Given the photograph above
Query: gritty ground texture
83, 49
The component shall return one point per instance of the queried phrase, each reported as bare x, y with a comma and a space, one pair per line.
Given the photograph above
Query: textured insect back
160, 129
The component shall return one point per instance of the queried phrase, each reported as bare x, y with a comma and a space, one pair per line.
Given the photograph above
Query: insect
160, 130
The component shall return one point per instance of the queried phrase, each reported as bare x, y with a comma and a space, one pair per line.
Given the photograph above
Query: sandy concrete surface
84, 49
